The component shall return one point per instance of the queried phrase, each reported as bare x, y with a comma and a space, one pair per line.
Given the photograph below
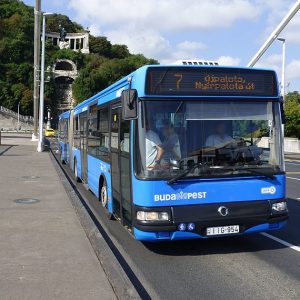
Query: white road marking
274, 238
293, 178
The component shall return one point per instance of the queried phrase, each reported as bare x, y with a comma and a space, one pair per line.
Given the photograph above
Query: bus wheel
104, 200
61, 155
76, 171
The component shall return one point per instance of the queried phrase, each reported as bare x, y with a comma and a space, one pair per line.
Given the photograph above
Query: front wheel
104, 201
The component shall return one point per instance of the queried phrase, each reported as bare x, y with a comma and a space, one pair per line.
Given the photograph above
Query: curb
291, 157
117, 277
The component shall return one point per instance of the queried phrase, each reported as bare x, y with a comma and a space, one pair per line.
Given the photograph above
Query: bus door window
115, 166
125, 170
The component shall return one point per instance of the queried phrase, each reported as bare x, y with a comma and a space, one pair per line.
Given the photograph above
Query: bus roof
137, 79
64, 115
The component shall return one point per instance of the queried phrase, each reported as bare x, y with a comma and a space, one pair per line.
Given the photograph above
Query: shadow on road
7, 147
245, 243
225, 245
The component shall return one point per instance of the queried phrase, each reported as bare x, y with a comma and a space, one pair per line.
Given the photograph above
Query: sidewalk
44, 252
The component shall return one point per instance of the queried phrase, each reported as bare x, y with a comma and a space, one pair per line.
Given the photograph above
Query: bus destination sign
213, 81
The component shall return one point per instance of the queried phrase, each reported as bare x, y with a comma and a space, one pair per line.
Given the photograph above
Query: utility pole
40, 147
19, 115
283, 68
36, 75
275, 34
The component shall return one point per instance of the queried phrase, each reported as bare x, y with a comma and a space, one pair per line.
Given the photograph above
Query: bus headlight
279, 207
152, 216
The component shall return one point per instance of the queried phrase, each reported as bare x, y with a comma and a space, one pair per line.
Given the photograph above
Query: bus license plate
232, 229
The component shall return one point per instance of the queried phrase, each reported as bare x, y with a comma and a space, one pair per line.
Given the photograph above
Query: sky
227, 31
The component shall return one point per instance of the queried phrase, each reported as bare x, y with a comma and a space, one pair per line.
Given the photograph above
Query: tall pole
18, 115
40, 147
36, 63
283, 84
275, 34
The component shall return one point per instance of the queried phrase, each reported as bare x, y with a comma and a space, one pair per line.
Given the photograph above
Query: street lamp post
40, 147
19, 115
283, 77
37, 46
283, 68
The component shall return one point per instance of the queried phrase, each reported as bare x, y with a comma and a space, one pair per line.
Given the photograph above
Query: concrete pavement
44, 251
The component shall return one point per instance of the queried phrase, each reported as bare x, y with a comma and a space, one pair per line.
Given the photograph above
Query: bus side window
103, 133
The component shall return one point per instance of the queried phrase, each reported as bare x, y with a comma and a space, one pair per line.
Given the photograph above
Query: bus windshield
193, 138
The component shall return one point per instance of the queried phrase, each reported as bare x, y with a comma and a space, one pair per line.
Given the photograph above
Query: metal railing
8, 112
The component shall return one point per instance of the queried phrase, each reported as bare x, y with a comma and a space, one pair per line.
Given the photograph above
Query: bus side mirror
129, 104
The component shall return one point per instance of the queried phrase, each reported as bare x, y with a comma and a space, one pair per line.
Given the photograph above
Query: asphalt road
245, 267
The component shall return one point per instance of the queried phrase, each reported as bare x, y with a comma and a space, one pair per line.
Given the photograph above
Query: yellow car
50, 132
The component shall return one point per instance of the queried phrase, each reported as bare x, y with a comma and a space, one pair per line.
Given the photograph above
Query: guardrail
8, 112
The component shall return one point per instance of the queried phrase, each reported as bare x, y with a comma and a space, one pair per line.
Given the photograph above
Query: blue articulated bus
184, 152
63, 144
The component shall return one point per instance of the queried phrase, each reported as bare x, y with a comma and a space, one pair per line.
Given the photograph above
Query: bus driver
154, 147
220, 138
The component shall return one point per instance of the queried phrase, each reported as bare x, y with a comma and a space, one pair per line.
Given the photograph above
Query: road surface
254, 266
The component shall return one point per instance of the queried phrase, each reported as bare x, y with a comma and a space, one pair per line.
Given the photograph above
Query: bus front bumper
192, 221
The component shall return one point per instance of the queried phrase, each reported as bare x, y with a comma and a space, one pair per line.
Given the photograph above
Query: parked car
50, 132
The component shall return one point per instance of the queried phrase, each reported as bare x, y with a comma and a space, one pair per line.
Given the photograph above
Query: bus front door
120, 166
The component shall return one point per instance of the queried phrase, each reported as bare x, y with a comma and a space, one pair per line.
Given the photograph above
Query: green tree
95, 78
105, 64
55, 20
292, 115
119, 51
100, 45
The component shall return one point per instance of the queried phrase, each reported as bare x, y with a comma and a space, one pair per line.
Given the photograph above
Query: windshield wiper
255, 171
184, 174
161, 79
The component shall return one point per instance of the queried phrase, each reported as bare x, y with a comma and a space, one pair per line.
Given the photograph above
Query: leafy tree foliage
100, 45
55, 20
96, 77
292, 115
105, 64
16, 55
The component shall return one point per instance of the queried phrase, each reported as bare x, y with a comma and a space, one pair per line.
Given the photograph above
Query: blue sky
228, 31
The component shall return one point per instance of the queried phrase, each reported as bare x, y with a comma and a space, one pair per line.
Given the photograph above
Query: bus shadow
224, 245
244, 243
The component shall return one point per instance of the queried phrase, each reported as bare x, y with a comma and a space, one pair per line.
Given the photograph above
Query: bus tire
61, 156
104, 198
76, 171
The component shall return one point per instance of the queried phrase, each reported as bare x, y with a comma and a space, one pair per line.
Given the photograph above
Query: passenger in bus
154, 147
220, 138
171, 143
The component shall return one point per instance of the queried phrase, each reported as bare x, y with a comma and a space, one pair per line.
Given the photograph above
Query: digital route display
212, 81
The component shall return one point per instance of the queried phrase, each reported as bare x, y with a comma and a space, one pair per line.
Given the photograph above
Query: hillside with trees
105, 64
